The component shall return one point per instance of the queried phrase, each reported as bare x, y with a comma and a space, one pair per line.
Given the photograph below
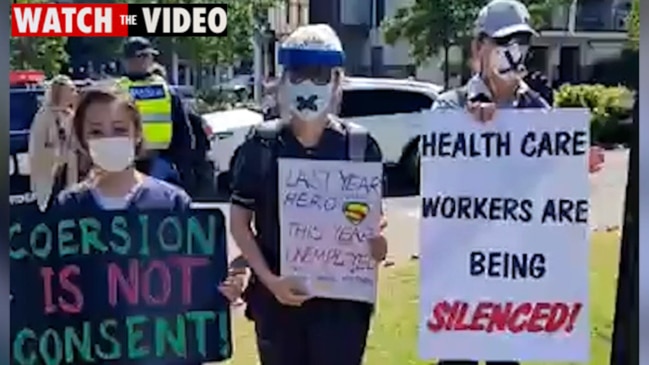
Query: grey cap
501, 18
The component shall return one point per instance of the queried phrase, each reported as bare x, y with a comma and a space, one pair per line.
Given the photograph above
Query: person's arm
182, 139
245, 193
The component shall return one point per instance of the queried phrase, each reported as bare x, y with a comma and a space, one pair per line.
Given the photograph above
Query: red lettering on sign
67, 286
142, 278
532, 317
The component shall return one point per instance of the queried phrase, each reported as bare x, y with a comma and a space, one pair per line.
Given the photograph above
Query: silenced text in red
532, 317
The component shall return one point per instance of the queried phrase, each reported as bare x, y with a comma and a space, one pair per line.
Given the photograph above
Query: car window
360, 103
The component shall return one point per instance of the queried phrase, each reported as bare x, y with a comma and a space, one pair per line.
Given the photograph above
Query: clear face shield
308, 93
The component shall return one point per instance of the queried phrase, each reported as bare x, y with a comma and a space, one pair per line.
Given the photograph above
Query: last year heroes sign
106, 287
505, 237
328, 210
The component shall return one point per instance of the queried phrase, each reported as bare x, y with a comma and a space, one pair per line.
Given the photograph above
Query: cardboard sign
119, 287
328, 211
505, 237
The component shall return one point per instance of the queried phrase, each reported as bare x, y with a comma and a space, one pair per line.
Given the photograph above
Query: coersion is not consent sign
118, 287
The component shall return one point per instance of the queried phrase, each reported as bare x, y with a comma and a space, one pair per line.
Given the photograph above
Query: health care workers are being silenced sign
505, 237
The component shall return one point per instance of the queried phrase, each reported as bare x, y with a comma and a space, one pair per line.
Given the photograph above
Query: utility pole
258, 45
625, 347
447, 46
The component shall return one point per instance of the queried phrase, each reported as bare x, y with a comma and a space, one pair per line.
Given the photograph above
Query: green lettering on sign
119, 227
107, 332
173, 336
135, 335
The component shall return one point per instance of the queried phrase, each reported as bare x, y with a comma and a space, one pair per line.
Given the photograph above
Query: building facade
580, 35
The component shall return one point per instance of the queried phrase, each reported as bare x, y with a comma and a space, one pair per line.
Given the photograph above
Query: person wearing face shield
502, 38
293, 328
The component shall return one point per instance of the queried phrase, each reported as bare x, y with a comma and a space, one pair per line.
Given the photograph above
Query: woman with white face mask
108, 127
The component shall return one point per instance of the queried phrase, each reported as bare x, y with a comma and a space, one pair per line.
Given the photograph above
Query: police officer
168, 130
499, 48
291, 327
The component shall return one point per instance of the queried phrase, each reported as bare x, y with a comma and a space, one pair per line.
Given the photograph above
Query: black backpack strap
357, 137
268, 135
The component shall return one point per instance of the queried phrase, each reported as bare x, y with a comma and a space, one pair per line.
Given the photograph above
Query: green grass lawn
393, 337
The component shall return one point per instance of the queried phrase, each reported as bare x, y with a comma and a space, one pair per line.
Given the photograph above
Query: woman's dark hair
105, 94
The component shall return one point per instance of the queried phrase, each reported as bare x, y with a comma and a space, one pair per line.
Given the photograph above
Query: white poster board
504, 237
328, 210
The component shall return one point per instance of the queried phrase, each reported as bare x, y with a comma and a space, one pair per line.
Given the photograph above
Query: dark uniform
321, 331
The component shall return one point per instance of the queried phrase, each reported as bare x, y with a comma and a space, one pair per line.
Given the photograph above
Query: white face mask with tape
509, 61
307, 100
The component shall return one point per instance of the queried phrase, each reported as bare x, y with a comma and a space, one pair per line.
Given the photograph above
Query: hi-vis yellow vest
153, 99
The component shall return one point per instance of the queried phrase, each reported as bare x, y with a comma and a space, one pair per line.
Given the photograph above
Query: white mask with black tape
509, 60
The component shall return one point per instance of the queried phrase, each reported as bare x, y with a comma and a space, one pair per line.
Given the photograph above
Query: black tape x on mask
509, 60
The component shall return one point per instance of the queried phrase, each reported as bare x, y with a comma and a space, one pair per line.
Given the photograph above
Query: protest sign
136, 287
328, 211
505, 237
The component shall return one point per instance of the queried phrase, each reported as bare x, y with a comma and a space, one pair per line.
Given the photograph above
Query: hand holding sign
288, 291
232, 286
595, 159
378, 247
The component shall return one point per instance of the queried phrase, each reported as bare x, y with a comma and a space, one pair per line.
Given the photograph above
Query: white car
240, 85
383, 106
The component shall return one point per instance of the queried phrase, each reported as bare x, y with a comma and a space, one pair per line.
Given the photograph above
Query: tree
46, 54
433, 25
234, 46
633, 25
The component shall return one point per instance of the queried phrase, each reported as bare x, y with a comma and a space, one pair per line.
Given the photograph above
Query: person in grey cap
499, 48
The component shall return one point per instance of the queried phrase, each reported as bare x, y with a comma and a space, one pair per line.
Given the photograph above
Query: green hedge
609, 106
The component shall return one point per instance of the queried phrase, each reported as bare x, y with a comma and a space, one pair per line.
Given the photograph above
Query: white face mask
307, 100
112, 154
509, 61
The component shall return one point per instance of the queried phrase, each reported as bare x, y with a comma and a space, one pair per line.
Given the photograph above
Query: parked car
240, 85
383, 106
228, 129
